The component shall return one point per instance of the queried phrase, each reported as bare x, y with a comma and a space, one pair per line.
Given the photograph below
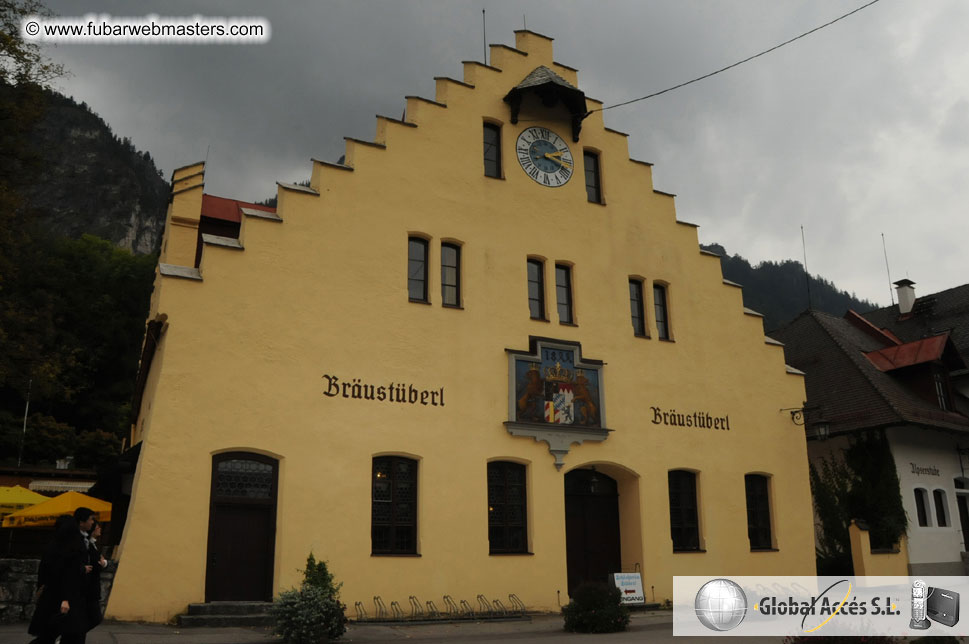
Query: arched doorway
592, 543
242, 528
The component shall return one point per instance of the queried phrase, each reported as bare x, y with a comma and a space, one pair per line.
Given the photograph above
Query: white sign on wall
630, 585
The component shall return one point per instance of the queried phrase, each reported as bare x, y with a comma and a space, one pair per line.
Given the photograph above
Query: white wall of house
929, 459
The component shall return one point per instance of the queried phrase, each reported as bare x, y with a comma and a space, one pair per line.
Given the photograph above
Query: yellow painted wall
325, 292
866, 562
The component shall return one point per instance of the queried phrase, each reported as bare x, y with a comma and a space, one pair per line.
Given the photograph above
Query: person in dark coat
97, 562
60, 605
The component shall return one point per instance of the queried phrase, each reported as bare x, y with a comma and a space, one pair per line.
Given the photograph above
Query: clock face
544, 156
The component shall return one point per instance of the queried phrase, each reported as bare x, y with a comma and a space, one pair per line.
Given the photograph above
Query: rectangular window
593, 185
393, 517
942, 516
536, 289
684, 524
758, 512
636, 307
662, 312
450, 275
492, 150
942, 391
507, 524
417, 269
920, 507
563, 292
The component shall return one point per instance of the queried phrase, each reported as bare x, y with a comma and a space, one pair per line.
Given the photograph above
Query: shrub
596, 608
313, 613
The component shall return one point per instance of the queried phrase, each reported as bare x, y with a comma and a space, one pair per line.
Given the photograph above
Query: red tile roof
910, 353
228, 209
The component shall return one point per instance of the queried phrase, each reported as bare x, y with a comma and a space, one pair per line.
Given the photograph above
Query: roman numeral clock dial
544, 156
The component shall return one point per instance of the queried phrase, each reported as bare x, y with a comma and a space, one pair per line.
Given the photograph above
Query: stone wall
18, 583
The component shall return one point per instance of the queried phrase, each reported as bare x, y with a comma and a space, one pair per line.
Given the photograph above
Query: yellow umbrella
46, 513
17, 498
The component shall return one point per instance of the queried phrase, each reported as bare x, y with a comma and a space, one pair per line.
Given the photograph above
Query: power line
740, 62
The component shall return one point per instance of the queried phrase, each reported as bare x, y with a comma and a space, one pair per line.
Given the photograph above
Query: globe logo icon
720, 605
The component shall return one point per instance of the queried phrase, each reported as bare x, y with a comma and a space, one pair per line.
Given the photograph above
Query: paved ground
546, 629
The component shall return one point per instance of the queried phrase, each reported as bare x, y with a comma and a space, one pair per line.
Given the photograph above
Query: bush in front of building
596, 608
313, 613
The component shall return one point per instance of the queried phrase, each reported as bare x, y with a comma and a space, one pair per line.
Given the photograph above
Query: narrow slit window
563, 293
492, 150
636, 310
536, 289
593, 183
417, 269
661, 308
451, 275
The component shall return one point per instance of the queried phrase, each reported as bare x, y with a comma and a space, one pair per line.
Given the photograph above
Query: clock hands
556, 156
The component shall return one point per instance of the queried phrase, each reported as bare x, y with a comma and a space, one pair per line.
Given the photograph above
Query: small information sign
630, 585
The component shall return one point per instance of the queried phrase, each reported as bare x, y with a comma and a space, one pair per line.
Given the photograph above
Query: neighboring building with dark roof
901, 371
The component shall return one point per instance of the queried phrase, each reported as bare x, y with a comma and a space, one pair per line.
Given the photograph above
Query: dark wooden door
242, 528
591, 527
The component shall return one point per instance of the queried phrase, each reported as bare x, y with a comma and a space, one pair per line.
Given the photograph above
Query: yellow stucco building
480, 355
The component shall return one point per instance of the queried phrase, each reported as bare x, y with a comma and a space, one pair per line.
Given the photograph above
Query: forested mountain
81, 178
779, 290
72, 305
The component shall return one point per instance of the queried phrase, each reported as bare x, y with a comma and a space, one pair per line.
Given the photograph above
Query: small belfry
457, 342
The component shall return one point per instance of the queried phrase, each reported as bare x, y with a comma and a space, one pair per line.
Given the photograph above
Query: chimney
906, 296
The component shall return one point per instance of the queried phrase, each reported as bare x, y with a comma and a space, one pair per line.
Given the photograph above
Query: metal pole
23, 436
807, 276
484, 38
891, 291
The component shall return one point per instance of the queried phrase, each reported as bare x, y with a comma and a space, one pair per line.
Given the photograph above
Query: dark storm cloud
856, 130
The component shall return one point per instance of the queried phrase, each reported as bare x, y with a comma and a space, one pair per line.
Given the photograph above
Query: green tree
23, 61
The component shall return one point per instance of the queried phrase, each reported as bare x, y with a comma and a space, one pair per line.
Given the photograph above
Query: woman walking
61, 608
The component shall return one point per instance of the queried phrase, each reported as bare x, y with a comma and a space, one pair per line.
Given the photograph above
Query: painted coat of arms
555, 391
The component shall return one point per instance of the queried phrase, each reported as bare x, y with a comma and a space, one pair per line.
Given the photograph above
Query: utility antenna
807, 276
484, 38
524, 23
891, 291
23, 437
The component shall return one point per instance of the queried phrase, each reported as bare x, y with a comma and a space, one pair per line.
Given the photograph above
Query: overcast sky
857, 130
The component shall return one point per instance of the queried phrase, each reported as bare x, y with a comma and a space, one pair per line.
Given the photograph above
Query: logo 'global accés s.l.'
720, 605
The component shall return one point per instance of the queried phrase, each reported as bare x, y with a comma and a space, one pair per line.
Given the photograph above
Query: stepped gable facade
480, 356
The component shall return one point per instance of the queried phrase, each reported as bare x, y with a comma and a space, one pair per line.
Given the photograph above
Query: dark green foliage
313, 613
864, 486
829, 488
938, 639
874, 494
778, 290
596, 608
71, 318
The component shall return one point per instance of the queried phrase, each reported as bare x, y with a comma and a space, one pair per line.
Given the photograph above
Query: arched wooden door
242, 528
591, 527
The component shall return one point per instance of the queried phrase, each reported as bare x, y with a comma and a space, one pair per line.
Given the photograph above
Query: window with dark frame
536, 289
758, 512
942, 391
451, 275
636, 310
941, 511
492, 150
920, 507
684, 524
507, 522
393, 516
563, 293
661, 311
593, 184
417, 269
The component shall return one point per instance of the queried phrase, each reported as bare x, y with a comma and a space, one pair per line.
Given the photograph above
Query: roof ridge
856, 360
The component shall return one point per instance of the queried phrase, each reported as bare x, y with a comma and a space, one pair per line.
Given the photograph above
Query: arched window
393, 515
758, 512
684, 521
450, 275
507, 522
941, 508
922, 506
